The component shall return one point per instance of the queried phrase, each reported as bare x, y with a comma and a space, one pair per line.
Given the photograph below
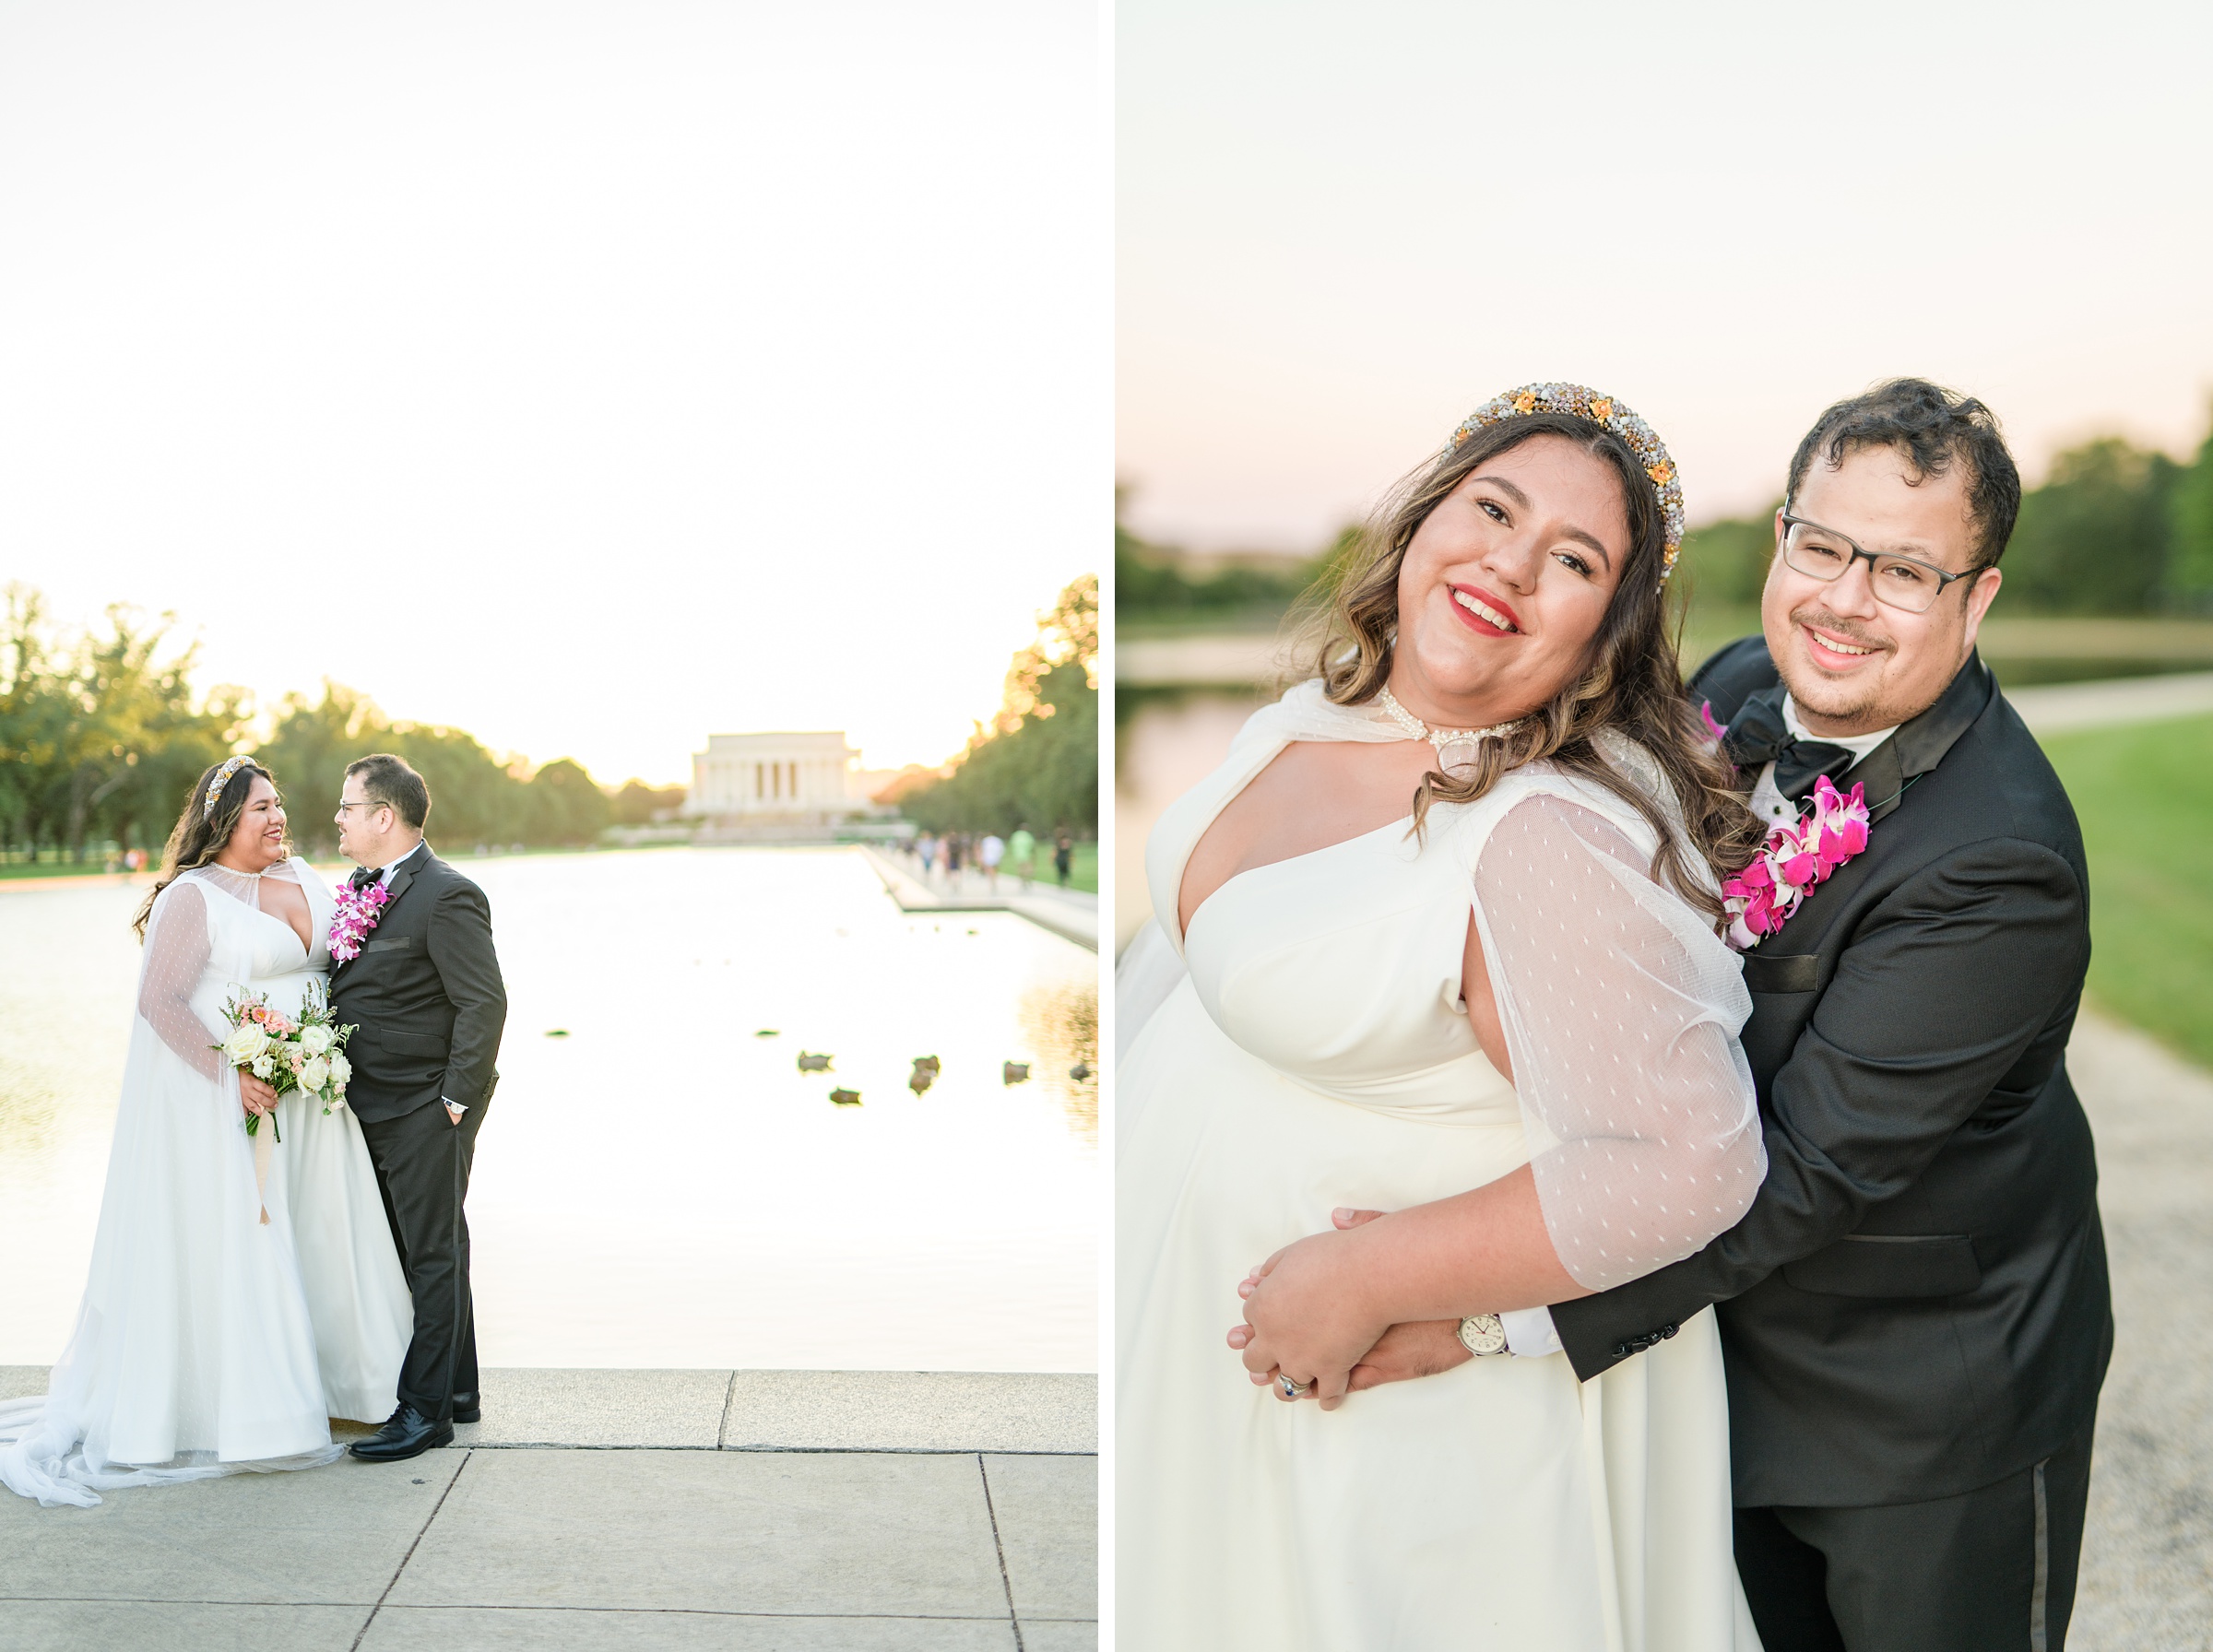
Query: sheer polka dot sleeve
177, 950
1621, 1011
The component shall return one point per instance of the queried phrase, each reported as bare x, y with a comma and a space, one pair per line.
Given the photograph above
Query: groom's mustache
1852, 631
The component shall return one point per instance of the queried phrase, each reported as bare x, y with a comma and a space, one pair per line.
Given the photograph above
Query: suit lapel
404, 877
1890, 771
1920, 745
1883, 777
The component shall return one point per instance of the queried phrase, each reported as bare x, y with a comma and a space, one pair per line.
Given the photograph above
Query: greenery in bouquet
306, 1053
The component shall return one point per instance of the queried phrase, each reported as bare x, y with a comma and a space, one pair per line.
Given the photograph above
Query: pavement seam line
397, 1571
730, 1398
999, 1548
642, 1611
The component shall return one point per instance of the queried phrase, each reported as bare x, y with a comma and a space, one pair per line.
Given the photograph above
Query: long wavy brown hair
198, 838
1631, 680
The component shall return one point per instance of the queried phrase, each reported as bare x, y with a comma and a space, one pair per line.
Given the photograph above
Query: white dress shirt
1530, 1331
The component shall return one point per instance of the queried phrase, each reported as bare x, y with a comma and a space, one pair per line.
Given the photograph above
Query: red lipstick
1476, 622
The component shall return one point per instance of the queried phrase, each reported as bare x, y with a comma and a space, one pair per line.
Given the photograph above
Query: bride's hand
1309, 1317
253, 1096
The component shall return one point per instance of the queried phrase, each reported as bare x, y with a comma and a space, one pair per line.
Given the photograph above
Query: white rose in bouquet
246, 1043
314, 1074
341, 1069
316, 1041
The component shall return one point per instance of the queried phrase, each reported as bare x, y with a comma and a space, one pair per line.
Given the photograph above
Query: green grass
53, 869
1082, 873
2145, 797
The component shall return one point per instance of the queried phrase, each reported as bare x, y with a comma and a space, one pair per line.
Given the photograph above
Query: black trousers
422, 1160
1988, 1571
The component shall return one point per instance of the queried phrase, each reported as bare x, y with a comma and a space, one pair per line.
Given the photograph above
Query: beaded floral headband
222, 779
1610, 416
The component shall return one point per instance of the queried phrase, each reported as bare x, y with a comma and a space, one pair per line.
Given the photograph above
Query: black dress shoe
407, 1433
467, 1409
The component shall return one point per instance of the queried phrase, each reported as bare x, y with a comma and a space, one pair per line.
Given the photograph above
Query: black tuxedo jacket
1916, 1303
425, 995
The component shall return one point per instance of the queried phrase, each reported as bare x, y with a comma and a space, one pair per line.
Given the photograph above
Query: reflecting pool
658, 1184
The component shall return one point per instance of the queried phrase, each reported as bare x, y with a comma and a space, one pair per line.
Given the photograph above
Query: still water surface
662, 1187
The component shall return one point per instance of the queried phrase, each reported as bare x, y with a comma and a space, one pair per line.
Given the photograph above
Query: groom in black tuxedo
426, 996
1914, 1313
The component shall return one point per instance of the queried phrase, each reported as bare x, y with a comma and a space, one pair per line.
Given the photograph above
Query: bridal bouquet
307, 1054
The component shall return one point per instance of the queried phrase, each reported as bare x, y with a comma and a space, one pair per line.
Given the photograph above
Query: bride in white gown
209, 1341
1327, 1016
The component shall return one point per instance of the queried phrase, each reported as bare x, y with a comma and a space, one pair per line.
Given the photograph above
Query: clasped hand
253, 1096
1307, 1315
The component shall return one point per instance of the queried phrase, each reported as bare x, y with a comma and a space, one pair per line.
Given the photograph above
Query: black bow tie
363, 877
1759, 736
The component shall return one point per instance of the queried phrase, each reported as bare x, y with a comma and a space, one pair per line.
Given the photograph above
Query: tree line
1035, 762
2114, 529
102, 737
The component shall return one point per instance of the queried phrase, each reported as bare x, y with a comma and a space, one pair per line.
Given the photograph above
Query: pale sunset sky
592, 377
1341, 226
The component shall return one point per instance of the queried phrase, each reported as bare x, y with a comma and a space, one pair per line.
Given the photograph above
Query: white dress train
210, 1342
1315, 1054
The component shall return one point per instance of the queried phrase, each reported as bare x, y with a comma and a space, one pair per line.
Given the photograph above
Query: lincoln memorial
760, 779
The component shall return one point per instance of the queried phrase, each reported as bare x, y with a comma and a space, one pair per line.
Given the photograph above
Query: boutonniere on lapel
360, 910
1798, 855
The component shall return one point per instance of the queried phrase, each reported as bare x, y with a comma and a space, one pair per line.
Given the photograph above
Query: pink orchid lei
360, 910
1798, 855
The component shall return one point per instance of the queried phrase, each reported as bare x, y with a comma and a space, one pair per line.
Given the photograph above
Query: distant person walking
927, 847
1022, 849
991, 851
954, 843
1064, 856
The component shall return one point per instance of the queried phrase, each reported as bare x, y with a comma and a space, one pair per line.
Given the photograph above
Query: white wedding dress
1309, 1050
209, 1341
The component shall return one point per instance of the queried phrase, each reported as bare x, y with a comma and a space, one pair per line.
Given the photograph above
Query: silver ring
1293, 1390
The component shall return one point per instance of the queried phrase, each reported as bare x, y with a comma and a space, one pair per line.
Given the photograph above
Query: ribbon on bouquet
262, 1147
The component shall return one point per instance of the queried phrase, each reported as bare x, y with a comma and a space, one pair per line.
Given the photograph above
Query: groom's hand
254, 1096
1422, 1349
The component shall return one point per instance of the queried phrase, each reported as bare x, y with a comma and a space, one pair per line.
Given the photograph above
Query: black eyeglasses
1903, 583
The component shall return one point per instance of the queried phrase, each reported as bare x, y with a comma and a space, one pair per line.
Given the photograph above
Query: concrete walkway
2148, 1556
1071, 914
2059, 708
747, 1511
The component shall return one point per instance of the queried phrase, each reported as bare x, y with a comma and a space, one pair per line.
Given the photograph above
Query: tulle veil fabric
194, 1352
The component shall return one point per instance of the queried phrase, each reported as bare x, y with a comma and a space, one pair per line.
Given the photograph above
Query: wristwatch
1483, 1333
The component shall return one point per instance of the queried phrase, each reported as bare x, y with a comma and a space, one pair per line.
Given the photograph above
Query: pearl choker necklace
1415, 729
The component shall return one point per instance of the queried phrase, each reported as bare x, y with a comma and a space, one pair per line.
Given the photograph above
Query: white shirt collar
384, 877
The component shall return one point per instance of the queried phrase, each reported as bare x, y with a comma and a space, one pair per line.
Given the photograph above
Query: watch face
1483, 1333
